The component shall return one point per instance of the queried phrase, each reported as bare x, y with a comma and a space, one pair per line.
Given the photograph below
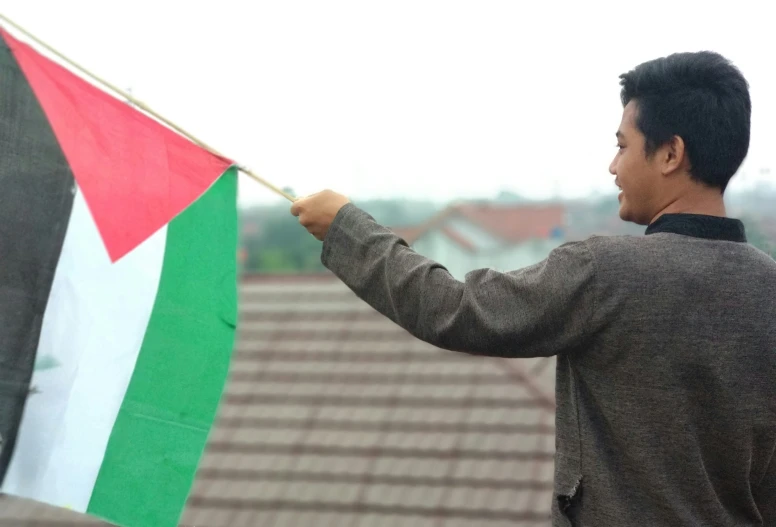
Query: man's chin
626, 214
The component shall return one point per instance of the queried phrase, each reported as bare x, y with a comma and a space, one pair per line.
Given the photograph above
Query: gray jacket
666, 358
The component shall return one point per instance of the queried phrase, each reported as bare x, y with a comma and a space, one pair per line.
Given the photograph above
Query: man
665, 343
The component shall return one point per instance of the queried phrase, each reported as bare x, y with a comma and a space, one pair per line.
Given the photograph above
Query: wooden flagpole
145, 108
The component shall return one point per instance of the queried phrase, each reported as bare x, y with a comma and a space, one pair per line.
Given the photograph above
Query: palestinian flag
118, 289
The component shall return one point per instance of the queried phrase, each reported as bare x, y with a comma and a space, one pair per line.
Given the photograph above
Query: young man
665, 343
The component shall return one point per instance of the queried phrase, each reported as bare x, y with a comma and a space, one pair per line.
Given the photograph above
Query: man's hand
316, 212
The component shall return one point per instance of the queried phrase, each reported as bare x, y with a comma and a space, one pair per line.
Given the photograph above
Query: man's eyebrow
619, 135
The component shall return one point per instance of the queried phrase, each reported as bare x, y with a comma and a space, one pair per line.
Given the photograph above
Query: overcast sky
438, 99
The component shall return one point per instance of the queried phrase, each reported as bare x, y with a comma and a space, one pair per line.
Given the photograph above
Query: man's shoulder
623, 250
614, 241
595, 254
604, 244
647, 250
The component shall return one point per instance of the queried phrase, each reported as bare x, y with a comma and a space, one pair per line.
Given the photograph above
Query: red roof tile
334, 415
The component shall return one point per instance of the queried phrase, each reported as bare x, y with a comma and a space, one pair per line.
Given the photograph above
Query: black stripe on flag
36, 197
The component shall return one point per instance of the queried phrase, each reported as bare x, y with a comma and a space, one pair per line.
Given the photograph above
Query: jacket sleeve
542, 310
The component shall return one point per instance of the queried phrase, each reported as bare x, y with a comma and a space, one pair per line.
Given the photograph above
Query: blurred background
481, 132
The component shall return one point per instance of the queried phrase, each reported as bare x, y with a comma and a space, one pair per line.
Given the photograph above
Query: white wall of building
490, 253
437, 246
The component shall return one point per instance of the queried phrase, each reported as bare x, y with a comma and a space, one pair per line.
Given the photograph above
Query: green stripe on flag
172, 398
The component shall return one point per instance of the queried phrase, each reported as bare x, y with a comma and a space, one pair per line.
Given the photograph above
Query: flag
118, 296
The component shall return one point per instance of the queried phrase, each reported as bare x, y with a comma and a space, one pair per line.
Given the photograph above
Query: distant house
499, 236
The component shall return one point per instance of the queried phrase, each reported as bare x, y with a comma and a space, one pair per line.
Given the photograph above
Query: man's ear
673, 156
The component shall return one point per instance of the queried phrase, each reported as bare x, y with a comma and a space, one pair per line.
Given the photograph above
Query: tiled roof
336, 416
510, 223
516, 223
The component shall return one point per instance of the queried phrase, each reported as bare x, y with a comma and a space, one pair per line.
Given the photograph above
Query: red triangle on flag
135, 173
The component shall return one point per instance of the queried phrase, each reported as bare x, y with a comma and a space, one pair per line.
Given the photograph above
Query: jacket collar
700, 226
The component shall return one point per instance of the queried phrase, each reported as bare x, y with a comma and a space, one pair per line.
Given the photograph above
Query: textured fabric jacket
666, 359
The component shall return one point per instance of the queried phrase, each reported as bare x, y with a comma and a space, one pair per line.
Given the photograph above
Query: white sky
423, 99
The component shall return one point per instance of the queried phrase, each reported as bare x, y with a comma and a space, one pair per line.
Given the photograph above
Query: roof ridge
469, 211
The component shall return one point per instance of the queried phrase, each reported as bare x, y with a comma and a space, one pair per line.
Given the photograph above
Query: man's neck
708, 202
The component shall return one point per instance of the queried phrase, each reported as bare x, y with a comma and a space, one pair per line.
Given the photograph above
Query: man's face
636, 176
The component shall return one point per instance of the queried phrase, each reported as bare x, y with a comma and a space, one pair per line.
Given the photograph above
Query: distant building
499, 236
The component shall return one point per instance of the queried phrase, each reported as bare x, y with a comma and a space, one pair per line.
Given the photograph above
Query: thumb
296, 206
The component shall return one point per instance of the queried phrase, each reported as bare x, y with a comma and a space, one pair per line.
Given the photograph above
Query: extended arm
541, 310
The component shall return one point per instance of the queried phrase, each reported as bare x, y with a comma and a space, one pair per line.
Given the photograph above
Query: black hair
702, 98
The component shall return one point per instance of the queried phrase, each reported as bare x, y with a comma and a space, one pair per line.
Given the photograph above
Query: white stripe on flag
93, 328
